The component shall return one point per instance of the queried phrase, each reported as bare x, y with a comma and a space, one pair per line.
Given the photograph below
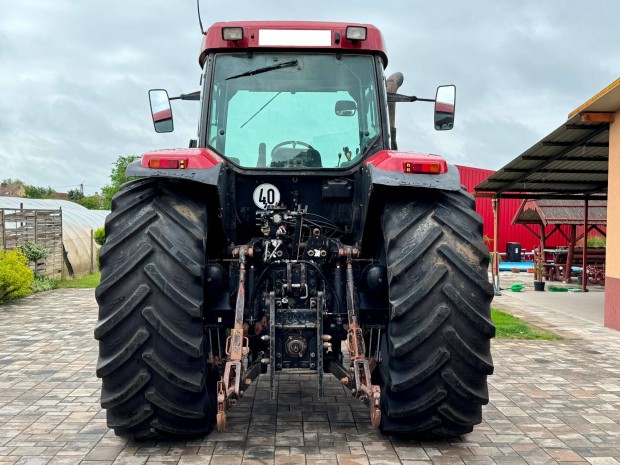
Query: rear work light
167, 163
356, 33
426, 168
232, 33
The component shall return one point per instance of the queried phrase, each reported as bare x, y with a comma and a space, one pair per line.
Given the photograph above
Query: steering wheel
290, 142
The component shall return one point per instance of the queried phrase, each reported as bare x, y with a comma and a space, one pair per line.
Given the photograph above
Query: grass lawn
511, 327
90, 280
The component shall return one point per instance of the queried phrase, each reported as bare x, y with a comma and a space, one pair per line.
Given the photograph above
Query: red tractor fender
197, 164
412, 169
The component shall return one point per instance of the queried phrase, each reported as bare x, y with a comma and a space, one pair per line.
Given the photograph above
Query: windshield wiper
260, 109
284, 64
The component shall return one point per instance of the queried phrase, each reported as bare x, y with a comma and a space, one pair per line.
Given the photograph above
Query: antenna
199, 18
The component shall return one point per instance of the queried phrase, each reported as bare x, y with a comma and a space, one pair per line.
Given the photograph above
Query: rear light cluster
426, 168
408, 162
168, 163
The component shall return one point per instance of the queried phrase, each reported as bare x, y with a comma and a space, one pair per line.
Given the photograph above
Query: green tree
118, 178
35, 192
8, 181
75, 195
91, 202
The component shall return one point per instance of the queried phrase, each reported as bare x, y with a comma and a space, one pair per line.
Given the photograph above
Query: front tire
437, 351
152, 354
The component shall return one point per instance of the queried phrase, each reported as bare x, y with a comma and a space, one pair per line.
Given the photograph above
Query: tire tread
436, 355
152, 359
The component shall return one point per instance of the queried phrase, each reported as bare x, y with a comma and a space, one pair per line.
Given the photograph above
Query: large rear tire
436, 356
152, 357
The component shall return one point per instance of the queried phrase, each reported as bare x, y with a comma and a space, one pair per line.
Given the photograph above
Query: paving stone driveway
551, 402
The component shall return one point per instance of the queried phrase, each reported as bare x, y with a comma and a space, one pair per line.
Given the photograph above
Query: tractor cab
294, 95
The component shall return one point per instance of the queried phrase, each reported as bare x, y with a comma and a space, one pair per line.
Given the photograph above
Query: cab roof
287, 35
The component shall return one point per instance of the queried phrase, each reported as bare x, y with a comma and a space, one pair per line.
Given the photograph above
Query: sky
75, 74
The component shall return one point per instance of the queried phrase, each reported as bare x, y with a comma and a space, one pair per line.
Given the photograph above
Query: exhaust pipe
392, 85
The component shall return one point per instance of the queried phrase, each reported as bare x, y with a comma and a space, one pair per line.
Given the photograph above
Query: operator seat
312, 158
285, 157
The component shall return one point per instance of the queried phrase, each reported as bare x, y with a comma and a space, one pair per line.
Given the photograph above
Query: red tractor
293, 235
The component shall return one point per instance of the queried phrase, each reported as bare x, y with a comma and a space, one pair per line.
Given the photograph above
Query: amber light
426, 168
167, 163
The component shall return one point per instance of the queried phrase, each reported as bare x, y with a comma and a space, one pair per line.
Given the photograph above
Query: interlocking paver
551, 402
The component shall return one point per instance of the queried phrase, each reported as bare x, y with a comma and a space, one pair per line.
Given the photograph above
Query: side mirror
345, 108
445, 100
161, 110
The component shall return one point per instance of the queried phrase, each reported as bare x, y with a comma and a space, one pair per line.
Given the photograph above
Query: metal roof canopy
549, 212
569, 163
573, 159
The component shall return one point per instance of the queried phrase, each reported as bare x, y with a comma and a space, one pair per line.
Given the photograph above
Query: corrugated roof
573, 159
557, 211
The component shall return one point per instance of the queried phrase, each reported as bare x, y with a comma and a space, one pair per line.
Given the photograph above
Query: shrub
15, 276
34, 252
92, 202
41, 283
99, 235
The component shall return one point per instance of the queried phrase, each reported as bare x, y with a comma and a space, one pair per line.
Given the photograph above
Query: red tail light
408, 162
183, 159
168, 163
424, 167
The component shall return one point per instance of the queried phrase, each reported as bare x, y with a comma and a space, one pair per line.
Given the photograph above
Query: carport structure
580, 160
558, 213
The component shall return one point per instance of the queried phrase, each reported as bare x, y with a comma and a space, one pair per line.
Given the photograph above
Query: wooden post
36, 241
2, 225
584, 256
543, 254
91, 252
62, 249
571, 252
495, 204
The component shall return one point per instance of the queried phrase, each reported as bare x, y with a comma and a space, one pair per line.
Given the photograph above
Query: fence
41, 226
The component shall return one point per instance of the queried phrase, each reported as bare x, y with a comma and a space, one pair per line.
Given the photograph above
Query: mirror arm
394, 97
190, 96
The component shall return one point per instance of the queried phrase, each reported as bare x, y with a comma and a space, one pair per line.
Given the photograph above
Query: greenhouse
65, 228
